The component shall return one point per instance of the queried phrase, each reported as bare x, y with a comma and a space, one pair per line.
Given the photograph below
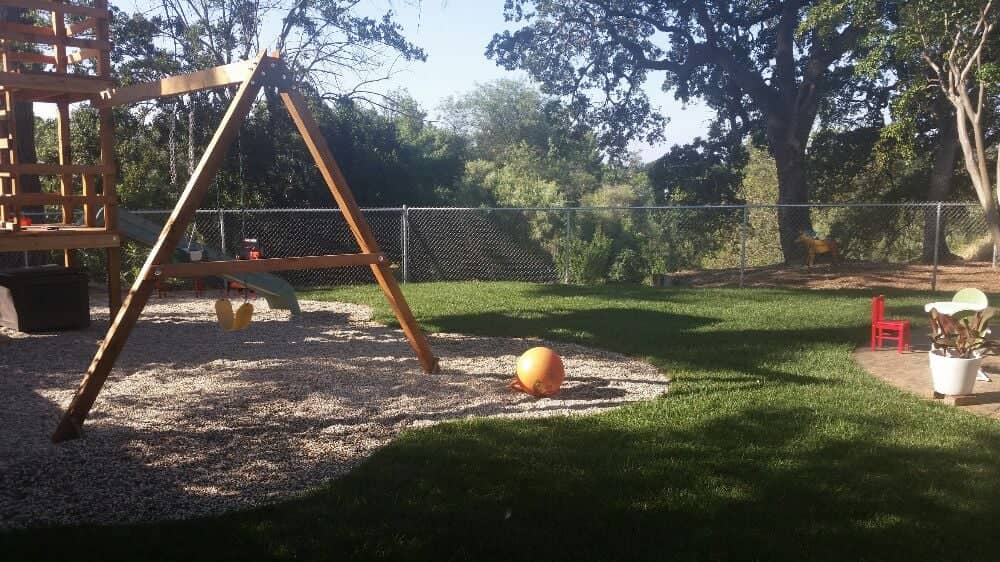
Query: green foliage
589, 260
332, 45
519, 179
700, 173
964, 336
513, 126
629, 267
744, 59
498, 115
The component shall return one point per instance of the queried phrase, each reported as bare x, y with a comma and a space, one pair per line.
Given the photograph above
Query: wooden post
62, 126
72, 422
106, 124
334, 178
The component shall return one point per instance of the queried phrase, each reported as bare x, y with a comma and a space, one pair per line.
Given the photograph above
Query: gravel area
195, 420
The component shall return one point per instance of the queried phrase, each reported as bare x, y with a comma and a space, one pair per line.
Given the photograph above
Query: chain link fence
585, 244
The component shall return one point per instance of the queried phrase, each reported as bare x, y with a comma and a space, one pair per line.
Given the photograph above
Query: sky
454, 33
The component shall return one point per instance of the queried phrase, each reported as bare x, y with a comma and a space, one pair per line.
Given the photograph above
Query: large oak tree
764, 66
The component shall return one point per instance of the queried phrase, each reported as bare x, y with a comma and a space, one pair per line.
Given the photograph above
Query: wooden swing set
248, 77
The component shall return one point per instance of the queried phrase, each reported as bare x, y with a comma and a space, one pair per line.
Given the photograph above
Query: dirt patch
861, 275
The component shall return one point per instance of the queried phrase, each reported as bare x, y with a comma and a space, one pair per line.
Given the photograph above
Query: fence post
743, 243
406, 243
567, 247
222, 231
937, 246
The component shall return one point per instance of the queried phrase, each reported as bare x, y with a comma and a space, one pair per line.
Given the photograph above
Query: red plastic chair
883, 329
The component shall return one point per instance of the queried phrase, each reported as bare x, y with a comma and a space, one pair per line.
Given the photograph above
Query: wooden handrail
50, 199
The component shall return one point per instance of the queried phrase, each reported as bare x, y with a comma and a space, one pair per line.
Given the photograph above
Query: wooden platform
57, 237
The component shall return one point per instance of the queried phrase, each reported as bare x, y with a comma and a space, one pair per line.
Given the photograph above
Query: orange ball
539, 372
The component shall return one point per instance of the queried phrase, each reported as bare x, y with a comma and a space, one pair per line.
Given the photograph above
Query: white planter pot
953, 375
194, 255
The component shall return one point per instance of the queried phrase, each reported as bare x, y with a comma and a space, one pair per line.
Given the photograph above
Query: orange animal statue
818, 246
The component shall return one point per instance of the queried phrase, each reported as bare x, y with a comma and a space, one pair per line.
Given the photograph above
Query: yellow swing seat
230, 321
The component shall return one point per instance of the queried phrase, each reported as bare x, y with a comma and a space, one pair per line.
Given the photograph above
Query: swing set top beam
273, 73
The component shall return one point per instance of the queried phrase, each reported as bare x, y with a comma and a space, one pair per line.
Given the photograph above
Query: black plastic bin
44, 299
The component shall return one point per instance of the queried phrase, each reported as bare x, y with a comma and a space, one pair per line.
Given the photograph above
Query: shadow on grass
671, 340
735, 486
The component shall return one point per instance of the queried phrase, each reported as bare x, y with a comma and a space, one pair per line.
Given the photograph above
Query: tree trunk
789, 158
973, 143
940, 183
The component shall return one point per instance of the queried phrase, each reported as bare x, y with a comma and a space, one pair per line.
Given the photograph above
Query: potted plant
195, 246
959, 344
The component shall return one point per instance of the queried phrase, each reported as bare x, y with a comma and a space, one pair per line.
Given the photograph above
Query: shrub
588, 262
629, 267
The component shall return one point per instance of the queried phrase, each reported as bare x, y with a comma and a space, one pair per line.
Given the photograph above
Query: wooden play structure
245, 79
79, 61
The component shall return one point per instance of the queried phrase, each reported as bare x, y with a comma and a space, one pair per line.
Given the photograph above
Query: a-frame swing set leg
71, 424
335, 180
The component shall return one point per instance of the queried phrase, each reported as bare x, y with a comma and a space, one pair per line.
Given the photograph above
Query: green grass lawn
772, 444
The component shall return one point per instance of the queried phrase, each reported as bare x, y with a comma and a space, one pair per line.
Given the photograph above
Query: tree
703, 172
497, 115
326, 43
510, 124
957, 43
763, 66
923, 133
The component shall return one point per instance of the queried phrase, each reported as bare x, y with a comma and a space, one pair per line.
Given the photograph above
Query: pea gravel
196, 421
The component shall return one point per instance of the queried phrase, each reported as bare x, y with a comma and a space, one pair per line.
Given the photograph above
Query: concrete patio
910, 371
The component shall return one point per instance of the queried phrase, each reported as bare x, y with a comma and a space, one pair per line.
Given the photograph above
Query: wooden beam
335, 181
241, 267
28, 199
58, 7
102, 30
71, 425
26, 28
226, 75
33, 34
49, 82
90, 209
52, 169
19, 242
31, 58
